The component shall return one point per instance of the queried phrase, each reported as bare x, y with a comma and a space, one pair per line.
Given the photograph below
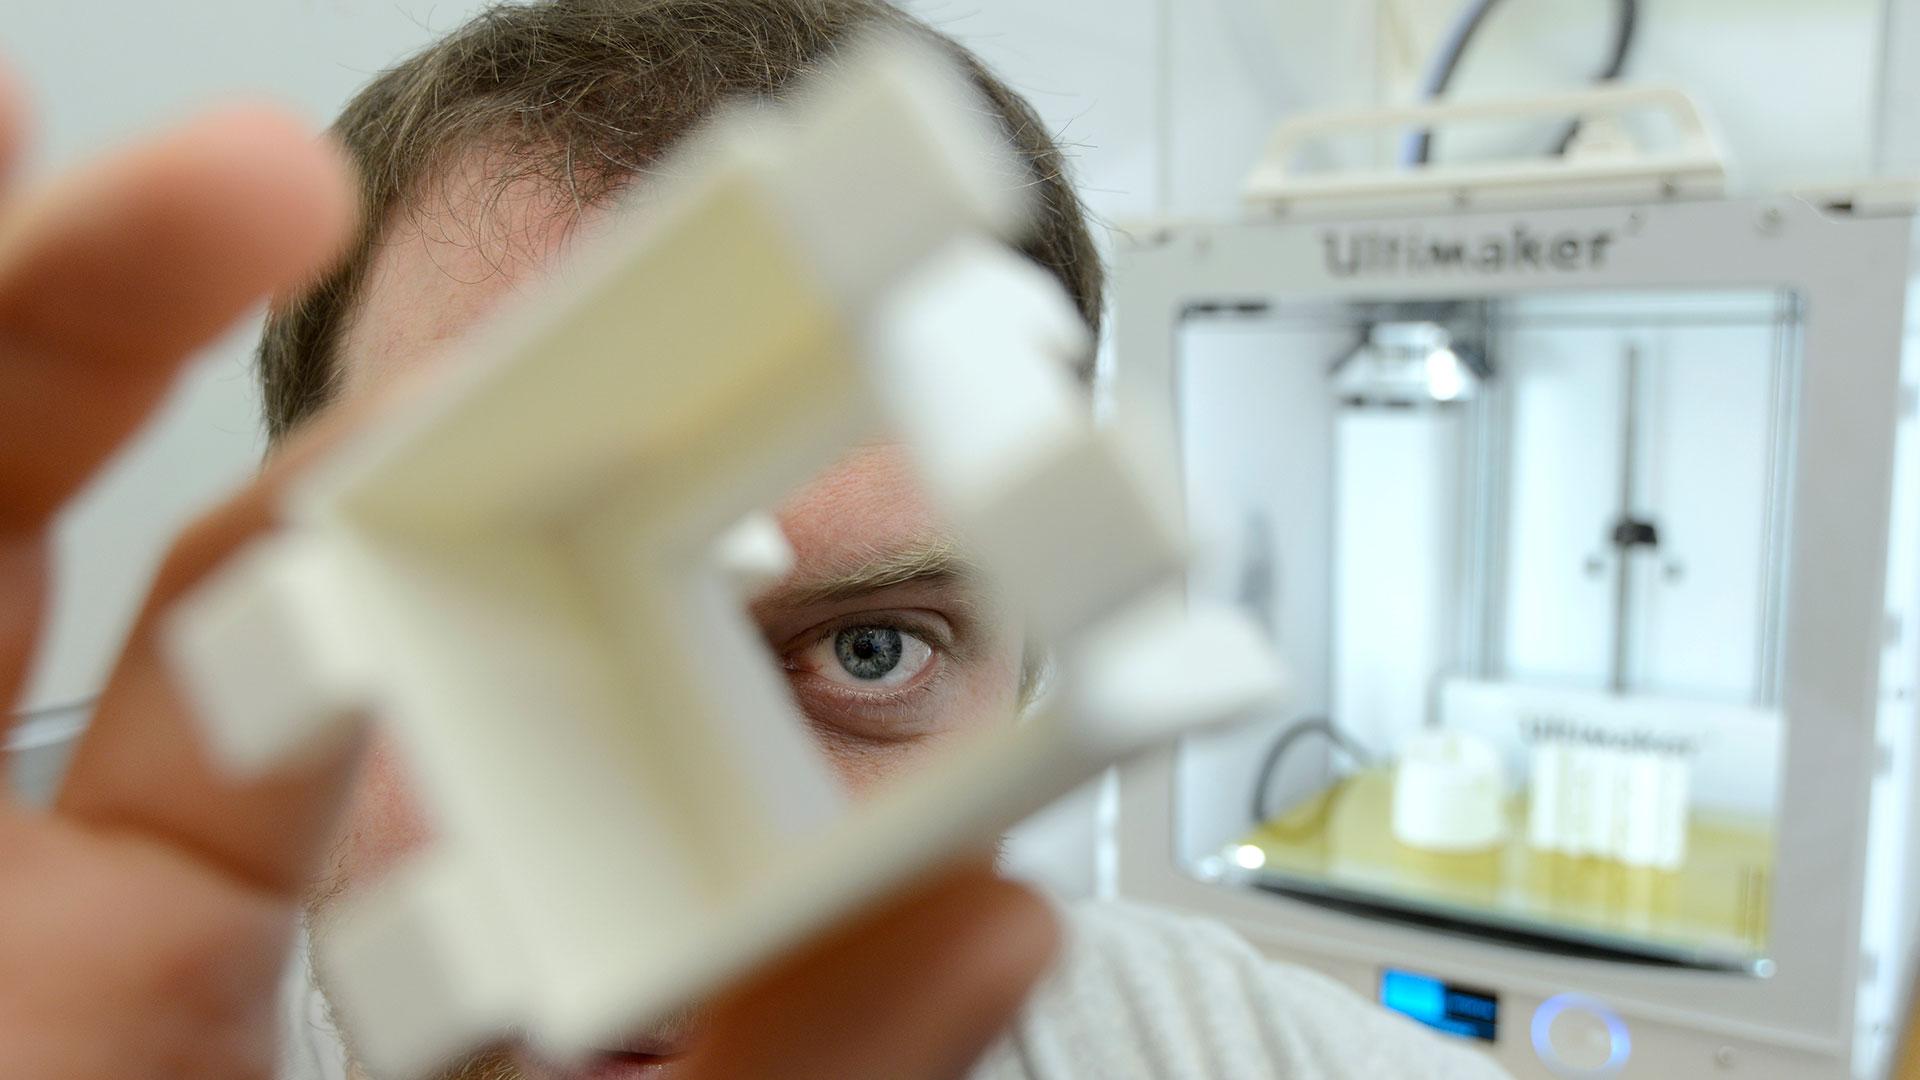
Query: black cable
1287, 740
1626, 22
17, 734
1419, 145
27, 716
1418, 149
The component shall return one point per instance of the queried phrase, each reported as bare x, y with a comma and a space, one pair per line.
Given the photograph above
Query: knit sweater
1138, 994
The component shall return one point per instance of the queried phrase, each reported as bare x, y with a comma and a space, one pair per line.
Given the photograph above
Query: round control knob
1578, 1036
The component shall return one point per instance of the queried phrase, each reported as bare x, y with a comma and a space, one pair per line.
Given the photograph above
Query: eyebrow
930, 561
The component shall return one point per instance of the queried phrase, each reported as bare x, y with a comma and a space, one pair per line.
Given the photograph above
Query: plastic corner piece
524, 572
975, 359
271, 660
425, 969
1133, 682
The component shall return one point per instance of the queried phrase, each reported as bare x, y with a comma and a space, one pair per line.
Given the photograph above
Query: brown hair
584, 95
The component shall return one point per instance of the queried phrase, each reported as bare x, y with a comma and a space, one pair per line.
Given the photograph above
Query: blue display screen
1473, 1014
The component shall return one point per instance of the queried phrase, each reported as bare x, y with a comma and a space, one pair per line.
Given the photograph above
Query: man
480, 161
145, 920
484, 157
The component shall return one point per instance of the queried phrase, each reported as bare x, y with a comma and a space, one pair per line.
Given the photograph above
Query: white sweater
1139, 994
1146, 993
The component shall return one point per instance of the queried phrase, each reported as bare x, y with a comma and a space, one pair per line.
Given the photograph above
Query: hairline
402, 148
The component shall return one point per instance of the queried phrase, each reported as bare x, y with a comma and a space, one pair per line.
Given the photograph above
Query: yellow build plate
1713, 909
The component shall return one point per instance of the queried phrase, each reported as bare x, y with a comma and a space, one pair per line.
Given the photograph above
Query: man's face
889, 648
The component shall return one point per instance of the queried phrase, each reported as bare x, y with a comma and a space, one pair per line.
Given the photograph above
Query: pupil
868, 652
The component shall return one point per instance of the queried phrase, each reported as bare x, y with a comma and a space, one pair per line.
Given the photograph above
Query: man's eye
869, 657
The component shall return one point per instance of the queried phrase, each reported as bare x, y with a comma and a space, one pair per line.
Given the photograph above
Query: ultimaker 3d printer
1581, 499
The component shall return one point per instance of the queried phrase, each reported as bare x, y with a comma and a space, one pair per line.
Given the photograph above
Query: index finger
21, 581
110, 278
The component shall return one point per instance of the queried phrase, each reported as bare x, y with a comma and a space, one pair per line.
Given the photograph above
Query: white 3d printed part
520, 574
1449, 794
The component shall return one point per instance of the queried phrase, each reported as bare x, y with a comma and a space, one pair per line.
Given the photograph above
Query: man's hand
144, 922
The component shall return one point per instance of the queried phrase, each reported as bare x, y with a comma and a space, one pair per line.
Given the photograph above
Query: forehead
443, 269
447, 260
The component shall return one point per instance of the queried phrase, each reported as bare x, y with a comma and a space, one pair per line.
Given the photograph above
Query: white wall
1793, 86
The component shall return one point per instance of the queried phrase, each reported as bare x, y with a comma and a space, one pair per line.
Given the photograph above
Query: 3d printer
1581, 500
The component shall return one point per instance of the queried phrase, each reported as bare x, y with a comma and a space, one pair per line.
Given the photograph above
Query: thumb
916, 988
